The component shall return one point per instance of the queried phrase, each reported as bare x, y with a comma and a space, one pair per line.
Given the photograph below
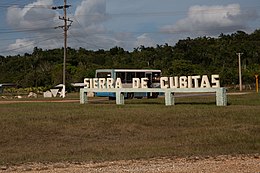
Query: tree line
198, 56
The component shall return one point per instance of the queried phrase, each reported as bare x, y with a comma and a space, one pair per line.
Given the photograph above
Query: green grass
195, 126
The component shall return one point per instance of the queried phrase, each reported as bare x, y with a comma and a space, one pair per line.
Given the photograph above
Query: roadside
219, 164
94, 99
37, 101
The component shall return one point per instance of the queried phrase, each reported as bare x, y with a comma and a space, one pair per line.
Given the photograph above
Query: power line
12, 2
8, 31
27, 6
83, 29
19, 5
171, 13
30, 37
27, 45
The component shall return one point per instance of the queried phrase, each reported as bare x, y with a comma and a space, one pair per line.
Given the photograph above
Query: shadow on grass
159, 101
154, 102
195, 103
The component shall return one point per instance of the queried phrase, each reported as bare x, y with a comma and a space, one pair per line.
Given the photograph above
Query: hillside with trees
203, 55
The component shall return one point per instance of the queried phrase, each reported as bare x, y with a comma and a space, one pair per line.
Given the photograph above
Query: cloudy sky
103, 24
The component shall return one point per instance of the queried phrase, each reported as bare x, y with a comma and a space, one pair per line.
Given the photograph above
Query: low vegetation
142, 128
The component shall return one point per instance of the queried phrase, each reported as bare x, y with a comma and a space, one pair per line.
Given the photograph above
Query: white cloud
145, 40
95, 27
91, 32
91, 11
88, 29
40, 20
32, 16
90, 14
35, 20
21, 46
211, 20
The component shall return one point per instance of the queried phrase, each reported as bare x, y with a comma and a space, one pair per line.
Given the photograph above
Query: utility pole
239, 70
65, 29
256, 83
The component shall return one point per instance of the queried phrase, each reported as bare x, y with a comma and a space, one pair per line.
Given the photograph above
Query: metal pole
239, 69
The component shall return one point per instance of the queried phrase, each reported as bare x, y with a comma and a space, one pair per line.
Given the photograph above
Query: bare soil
219, 164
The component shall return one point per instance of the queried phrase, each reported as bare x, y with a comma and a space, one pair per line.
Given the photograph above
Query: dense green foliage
203, 55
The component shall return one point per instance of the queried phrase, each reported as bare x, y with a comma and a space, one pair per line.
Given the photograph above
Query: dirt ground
220, 164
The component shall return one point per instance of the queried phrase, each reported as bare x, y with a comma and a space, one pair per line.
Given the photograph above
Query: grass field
142, 128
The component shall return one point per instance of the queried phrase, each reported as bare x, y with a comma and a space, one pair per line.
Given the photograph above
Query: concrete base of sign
221, 96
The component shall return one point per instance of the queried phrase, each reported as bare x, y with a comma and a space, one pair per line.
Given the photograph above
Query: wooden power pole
65, 29
239, 71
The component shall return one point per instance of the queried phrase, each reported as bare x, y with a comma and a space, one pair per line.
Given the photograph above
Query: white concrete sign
165, 82
190, 82
102, 83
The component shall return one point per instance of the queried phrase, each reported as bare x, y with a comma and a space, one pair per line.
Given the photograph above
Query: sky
104, 24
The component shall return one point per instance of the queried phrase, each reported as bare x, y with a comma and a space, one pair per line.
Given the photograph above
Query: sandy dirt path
220, 164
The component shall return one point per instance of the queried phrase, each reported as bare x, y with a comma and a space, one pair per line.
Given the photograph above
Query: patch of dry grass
44, 132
